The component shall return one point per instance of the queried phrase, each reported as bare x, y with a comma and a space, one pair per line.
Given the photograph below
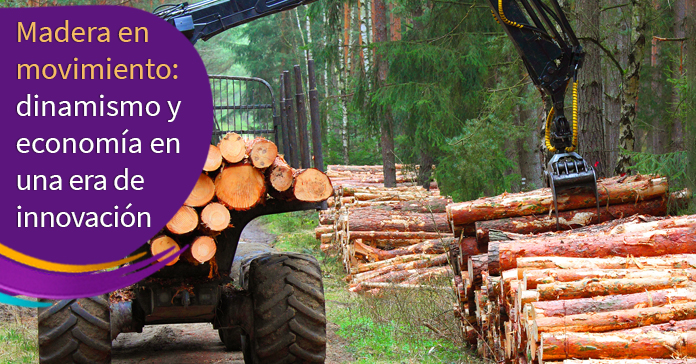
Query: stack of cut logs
370, 176
388, 237
237, 175
623, 289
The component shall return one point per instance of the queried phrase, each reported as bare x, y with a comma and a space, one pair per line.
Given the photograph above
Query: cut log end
184, 221
214, 159
262, 152
202, 192
311, 185
232, 147
161, 244
202, 250
240, 187
280, 175
215, 217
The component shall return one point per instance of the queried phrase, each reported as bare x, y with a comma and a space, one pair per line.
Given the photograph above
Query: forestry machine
265, 303
552, 55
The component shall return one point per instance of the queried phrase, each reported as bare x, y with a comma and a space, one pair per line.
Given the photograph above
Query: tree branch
606, 51
613, 7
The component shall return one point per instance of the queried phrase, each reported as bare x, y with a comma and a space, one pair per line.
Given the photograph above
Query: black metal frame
207, 18
220, 103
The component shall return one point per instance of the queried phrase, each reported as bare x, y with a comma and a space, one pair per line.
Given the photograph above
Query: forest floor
395, 327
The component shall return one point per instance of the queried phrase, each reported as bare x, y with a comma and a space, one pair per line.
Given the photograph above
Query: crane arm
207, 18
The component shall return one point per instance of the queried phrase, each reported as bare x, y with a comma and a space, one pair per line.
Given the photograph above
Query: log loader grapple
552, 56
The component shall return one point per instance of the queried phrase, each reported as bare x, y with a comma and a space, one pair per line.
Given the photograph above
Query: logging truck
265, 303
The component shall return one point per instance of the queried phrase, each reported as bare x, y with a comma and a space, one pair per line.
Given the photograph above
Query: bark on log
213, 160
240, 187
311, 185
416, 264
262, 152
202, 250
617, 320
631, 361
163, 243
468, 247
603, 287
677, 261
640, 244
360, 268
215, 218
279, 175
654, 344
434, 246
535, 224
540, 201
613, 303
232, 147
395, 235
532, 278
380, 220
202, 193
184, 221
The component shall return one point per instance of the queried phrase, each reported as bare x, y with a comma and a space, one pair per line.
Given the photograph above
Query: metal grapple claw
568, 171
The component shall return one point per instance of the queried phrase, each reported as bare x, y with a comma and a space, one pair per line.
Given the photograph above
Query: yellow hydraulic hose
547, 138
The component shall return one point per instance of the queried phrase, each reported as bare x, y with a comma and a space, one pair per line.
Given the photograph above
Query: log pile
621, 289
387, 237
370, 176
238, 175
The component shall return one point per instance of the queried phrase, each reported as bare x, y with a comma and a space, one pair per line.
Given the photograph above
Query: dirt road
199, 343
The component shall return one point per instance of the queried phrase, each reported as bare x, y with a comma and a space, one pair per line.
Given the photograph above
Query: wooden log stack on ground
238, 175
387, 237
623, 289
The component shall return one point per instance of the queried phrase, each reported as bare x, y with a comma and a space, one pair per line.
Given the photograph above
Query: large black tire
289, 314
75, 331
232, 338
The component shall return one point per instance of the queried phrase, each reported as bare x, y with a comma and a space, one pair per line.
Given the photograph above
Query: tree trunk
591, 118
690, 119
613, 77
386, 122
631, 84
530, 159
679, 27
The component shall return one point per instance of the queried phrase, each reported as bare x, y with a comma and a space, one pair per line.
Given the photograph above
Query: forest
438, 82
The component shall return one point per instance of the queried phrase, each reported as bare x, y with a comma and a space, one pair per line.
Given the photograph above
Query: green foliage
294, 230
19, 344
394, 326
